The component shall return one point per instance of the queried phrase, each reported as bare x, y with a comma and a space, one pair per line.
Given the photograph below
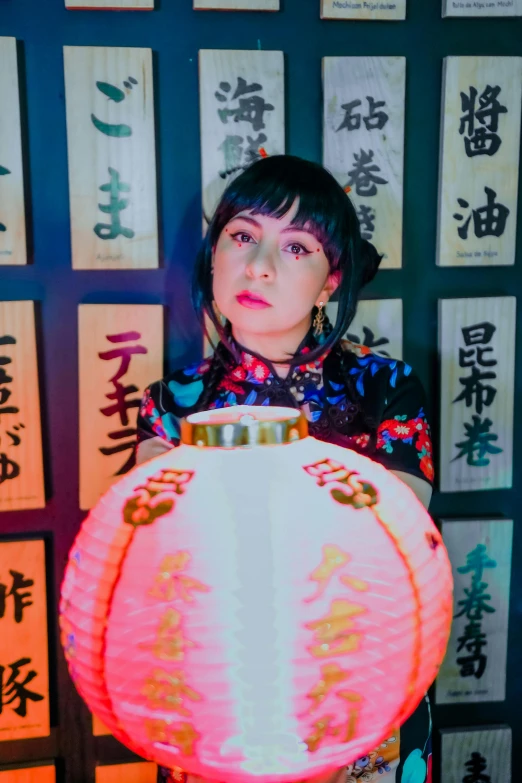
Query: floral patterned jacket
389, 392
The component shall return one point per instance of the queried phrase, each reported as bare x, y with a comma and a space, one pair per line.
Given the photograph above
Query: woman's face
268, 276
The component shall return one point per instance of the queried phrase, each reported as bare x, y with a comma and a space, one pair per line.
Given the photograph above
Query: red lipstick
252, 300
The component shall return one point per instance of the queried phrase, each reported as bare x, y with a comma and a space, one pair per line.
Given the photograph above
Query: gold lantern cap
244, 426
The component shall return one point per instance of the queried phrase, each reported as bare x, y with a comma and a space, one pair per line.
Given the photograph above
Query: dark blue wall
175, 33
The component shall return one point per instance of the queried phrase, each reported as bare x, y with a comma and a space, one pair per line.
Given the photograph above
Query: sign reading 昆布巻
477, 353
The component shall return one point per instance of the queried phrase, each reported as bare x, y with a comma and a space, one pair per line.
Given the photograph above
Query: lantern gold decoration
223, 612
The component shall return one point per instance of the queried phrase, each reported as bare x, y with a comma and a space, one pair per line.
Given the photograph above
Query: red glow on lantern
201, 581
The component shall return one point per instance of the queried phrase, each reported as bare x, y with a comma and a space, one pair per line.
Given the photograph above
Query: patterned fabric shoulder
166, 401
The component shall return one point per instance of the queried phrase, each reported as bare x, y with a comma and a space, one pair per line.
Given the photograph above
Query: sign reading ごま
112, 159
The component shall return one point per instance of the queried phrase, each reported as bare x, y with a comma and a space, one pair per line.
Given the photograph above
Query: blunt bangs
269, 187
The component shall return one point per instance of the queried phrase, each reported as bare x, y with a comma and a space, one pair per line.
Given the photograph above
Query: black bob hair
269, 187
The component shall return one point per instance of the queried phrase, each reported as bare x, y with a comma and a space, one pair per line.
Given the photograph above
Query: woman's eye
240, 236
297, 249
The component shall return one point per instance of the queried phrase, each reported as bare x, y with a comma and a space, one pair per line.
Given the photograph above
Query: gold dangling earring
319, 320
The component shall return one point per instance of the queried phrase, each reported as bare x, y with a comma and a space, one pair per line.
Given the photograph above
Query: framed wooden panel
484, 8
120, 353
242, 115
34, 774
476, 754
377, 325
12, 204
236, 5
137, 772
99, 729
23, 641
477, 352
363, 9
21, 463
112, 159
110, 5
363, 143
474, 669
478, 170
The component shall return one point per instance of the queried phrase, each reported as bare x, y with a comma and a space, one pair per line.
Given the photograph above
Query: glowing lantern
255, 604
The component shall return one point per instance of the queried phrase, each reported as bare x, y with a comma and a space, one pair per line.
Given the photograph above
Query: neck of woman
275, 347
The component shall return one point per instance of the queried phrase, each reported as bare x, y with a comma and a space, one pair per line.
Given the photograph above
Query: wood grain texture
472, 671
480, 754
236, 5
13, 249
110, 5
21, 461
481, 8
37, 774
377, 324
477, 354
138, 772
363, 143
391, 10
479, 159
242, 115
23, 641
99, 729
112, 159
120, 353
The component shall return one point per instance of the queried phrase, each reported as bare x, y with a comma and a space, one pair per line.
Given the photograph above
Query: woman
283, 239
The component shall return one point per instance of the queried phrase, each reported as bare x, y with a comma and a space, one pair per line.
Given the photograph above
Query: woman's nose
262, 265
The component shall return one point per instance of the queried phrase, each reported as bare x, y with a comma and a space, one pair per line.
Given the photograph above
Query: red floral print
426, 465
230, 386
399, 430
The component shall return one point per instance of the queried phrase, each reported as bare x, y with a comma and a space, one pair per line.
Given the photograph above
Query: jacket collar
256, 367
